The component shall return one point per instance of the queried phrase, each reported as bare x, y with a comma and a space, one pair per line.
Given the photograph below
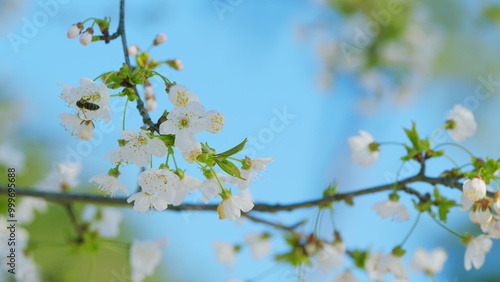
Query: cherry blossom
225, 253
390, 208
232, 207
145, 256
179, 95
138, 149
260, 244
185, 122
106, 222
430, 263
364, 151
461, 123
108, 184
158, 190
477, 247
81, 128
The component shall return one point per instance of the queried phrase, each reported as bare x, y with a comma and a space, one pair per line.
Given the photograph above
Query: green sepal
142, 59
359, 258
168, 139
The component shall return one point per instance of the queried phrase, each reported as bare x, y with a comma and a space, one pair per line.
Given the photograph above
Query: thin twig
278, 226
146, 119
74, 221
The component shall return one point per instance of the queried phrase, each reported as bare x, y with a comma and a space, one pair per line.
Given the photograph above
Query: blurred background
333, 66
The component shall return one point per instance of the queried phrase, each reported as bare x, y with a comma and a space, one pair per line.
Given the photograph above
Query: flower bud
151, 104
175, 64
160, 38
149, 92
74, 30
474, 189
133, 50
86, 37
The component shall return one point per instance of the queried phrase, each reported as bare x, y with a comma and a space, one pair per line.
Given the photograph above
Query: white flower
185, 122
61, 178
331, 256
476, 250
260, 244
465, 203
74, 30
480, 216
474, 189
133, 50
430, 263
145, 256
461, 123
86, 37
11, 157
391, 208
232, 207
186, 184
363, 149
211, 187
179, 96
226, 253
496, 206
160, 38
108, 184
256, 166
347, 276
492, 227
393, 264
29, 270
83, 129
138, 149
158, 190
67, 174
88, 93
190, 156
372, 267
106, 222
25, 211
216, 121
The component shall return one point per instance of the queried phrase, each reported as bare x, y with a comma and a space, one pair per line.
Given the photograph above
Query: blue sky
248, 65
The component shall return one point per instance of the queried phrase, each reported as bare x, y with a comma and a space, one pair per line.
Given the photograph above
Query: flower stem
411, 230
166, 80
124, 115
446, 228
456, 145
397, 177
452, 160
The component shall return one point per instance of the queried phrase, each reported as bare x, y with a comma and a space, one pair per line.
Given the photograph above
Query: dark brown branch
64, 198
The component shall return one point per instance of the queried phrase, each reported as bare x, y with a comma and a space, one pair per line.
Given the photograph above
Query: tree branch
146, 119
64, 198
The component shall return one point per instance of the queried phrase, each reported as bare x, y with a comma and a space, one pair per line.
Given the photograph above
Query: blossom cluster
482, 201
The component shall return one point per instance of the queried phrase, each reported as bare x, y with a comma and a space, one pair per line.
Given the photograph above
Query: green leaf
236, 149
443, 204
229, 168
413, 136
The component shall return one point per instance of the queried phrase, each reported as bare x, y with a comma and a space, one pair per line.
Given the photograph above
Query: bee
85, 104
